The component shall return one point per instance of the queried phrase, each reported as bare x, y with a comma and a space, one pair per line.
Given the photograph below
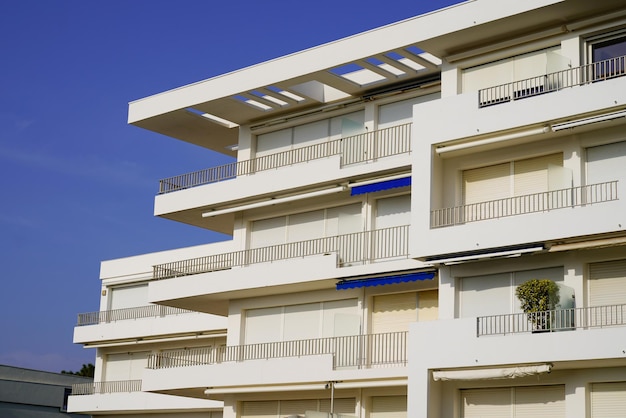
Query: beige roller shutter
608, 400
344, 406
388, 407
487, 183
486, 403
607, 283
394, 312
428, 305
540, 401
516, 402
297, 407
531, 175
259, 409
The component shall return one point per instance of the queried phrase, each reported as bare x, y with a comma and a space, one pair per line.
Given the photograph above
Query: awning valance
381, 185
384, 280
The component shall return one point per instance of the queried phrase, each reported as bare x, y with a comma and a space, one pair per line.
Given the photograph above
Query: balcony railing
353, 149
362, 351
551, 321
519, 205
106, 387
585, 74
150, 311
351, 249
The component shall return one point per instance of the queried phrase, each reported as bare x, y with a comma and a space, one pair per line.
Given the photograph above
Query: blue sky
78, 183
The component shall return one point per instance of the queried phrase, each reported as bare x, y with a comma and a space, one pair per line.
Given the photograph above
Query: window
607, 283
310, 134
514, 402
608, 55
508, 70
125, 366
515, 178
494, 294
343, 408
302, 322
306, 226
608, 399
394, 312
389, 407
128, 296
606, 163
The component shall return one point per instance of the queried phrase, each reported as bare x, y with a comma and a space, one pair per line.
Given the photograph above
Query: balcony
552, 321
585, 74
360, 351
519, 205
106, 387
356, 248
355, 149
150, 311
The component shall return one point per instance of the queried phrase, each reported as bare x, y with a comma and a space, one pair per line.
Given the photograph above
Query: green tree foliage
86, 371
538, 295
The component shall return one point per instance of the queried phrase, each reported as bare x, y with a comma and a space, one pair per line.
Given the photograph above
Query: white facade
391, 191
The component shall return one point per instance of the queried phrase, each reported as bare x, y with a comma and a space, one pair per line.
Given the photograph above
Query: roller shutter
394, 312
389, 407
608, 400
607, 283
516, 402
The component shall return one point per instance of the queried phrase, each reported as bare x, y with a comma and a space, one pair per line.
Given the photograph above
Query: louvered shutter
388, 407
608, 400
297, 407
486, 403
607, 283
531, 175
428, 305
539, 401
392, 313
487, 183
260, 409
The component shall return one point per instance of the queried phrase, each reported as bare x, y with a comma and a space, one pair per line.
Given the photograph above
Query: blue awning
381, 185
383, 280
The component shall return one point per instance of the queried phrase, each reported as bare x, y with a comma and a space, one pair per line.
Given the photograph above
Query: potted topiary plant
538, 297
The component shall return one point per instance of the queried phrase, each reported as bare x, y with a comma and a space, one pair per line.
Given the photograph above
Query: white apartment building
389, 192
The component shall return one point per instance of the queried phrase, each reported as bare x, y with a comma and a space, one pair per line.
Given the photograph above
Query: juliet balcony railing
106, 387
361, 351
150, 311
359, 247
552, 321
530, 203
354, 149
571, 77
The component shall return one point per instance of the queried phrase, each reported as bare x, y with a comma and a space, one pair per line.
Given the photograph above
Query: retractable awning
494, 373
381, 185
384, 280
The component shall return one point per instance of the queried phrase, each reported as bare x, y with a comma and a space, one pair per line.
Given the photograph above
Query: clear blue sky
78, 183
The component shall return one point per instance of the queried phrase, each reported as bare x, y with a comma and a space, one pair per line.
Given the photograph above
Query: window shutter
388, 407
608, 400
260, 409
392, 313
540, 401
531, 175
607, 283
487, 183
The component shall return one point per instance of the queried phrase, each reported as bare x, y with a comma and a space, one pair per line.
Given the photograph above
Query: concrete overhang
396, 56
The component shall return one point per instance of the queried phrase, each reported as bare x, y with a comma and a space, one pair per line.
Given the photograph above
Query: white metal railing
350, 351
530, 203
553, 320
353, 149
106, 387
585, 74
353, 248
150, 311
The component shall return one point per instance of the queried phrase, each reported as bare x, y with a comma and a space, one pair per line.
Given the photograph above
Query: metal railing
551, 321
530, 203
585, 74
106, 387
353, 149
353, 248
150, 311
360, 351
